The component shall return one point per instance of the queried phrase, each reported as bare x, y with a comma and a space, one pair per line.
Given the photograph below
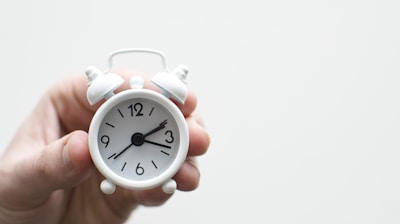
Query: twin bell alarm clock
138, 138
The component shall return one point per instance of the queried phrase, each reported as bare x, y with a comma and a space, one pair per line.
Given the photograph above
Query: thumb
62, 164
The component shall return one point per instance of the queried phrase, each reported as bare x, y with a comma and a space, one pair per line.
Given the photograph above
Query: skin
46, 172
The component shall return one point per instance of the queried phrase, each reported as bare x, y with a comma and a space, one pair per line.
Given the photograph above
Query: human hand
47, 175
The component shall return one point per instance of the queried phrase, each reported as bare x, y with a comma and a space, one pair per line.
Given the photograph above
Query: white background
301, 98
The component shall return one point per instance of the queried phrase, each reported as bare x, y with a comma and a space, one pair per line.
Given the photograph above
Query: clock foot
169, 187
107, 187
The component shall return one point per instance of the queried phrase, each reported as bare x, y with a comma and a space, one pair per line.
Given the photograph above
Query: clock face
139, 139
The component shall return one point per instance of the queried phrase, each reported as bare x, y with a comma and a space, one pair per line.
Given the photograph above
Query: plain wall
301, 98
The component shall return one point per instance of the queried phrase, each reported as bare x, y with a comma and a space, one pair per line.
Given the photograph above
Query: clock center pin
137, 139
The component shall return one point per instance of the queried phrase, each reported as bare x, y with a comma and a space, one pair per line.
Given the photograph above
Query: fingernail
65, 157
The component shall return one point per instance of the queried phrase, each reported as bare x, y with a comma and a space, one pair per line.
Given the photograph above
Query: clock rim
107, 172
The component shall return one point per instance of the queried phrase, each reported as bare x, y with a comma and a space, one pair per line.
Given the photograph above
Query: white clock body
138, 138
120, 149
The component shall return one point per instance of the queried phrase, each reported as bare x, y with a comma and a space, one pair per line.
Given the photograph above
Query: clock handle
169, 187
137, 50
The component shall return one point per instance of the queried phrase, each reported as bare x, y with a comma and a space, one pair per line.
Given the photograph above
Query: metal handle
136, 50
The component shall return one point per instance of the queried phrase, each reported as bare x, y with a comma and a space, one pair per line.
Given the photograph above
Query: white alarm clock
138, 138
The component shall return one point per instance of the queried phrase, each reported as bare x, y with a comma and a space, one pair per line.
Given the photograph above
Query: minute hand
159, 127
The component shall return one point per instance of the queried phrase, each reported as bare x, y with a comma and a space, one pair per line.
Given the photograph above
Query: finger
69, 100
199, 138
188, 176
190, 104
62, 164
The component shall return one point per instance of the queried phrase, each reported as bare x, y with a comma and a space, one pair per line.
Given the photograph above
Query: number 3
170, 135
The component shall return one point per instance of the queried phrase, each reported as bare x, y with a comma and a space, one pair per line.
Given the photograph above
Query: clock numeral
139, 170
170, 136
105, 140
136, 109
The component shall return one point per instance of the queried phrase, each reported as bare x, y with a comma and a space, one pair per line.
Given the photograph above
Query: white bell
172, 84
101, 85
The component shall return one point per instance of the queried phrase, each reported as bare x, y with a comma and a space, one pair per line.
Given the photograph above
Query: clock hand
160, 126
126, 148
138, 139
155, 143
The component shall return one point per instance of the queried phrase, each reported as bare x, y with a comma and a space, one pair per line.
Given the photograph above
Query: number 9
105, 140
